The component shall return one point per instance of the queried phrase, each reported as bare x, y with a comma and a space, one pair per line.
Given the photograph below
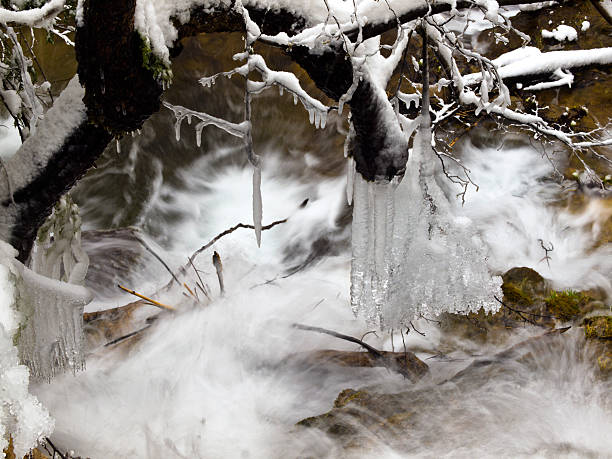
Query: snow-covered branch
35, 17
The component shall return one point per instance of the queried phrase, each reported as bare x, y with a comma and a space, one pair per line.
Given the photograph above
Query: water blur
220, 380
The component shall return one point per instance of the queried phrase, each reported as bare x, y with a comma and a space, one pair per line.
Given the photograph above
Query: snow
58, 123
35, 17
28, 95
561, 33
10, 141
12, 100
563, 78
585, 26
21, 414
531, 61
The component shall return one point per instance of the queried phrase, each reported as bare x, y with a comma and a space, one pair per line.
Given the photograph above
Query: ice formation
57, 252
411, 254
21, 414
50, 296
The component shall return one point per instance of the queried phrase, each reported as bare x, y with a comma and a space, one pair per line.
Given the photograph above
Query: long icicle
254, 159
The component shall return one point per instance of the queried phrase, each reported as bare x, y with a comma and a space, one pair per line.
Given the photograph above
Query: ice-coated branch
182, 113
285, 81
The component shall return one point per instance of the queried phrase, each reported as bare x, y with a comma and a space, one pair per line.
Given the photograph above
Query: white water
212, 382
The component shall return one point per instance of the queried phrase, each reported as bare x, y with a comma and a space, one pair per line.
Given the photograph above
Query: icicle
177, 128
360, 263
257, 204
323, 119
295, 99
118, 146
280, 90
311, 114
350, 180
198, 132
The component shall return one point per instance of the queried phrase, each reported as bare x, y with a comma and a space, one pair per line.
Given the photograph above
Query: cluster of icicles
411, 255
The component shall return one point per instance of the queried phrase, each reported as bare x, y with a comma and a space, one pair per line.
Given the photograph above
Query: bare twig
156, 303
521, 314
231, 230
152, 252
55, 450
375, 352
124, 337
414, 328
550, 248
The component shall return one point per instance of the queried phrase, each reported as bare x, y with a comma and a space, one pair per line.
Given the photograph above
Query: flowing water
220, 380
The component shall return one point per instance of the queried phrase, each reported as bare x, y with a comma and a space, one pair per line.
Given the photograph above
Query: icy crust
50, 337
411, 255
21, 414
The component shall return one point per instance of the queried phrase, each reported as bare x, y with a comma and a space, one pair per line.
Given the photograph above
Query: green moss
566, 305
152, 62
599, 327
605, 362
516, 294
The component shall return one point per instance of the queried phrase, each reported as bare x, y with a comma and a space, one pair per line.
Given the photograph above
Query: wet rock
372, 418
103, 327
405, 363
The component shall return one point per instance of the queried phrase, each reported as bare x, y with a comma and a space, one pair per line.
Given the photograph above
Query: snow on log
530, 61
46, 166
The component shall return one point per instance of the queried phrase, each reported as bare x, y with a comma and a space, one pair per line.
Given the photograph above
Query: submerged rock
372, 419
405, 363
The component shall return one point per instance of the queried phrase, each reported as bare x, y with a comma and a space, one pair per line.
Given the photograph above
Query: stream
219, 378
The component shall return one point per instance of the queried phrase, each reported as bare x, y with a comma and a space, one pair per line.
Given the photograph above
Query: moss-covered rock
567, 305
528, 300
598, 327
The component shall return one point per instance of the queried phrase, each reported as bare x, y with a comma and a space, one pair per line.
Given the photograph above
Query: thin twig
156, 303
191, 292
200, 279
231, 230
124, 337
414, 328
375, 352
152, 252
520, 313
55, 450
